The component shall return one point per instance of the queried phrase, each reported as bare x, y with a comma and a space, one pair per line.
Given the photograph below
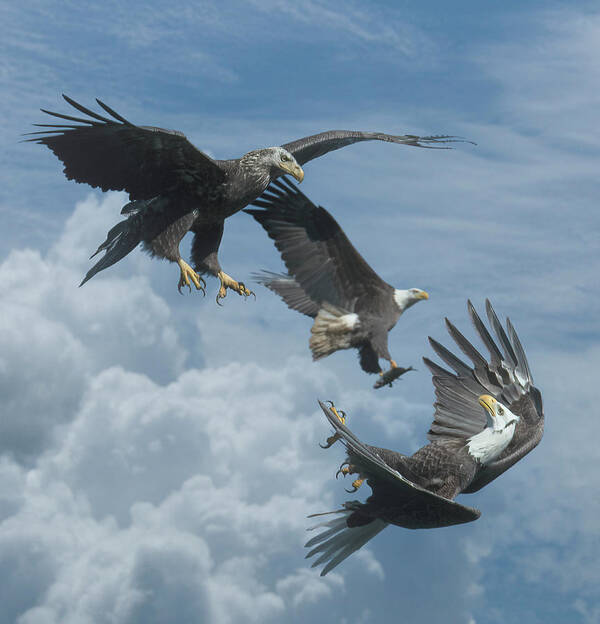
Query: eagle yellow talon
244, 291
187, 274
341, 416
229, 282
345, 469
331, 440
393, 365
355, 485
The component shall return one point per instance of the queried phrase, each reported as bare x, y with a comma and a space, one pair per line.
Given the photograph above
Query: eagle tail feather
339, 541
120, 240
332, 330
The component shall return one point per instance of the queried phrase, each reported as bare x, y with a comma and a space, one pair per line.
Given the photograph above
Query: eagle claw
187, 274
355, 485
229, 282
244, 291
345, 469
331, 440
341, 416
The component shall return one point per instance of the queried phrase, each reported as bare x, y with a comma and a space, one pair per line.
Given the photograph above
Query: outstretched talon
187, 274
341, 416
355, 485
229, 282
331, 440
345, 469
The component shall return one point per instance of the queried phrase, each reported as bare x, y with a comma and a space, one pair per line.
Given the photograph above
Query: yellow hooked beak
293, 169
423, 295
487, 402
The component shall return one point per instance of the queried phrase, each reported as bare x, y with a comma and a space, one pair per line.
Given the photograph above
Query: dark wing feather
443, 512
114, 154
289, 290
317, 145
316, 252
506, 376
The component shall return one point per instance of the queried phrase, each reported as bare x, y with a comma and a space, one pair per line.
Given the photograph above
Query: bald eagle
329, 280
175, 188
487, 417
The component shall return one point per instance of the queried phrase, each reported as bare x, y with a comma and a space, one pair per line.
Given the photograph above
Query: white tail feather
339, 541
332, 330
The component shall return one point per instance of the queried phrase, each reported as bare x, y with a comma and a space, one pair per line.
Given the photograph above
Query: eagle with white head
469, 446
329, 280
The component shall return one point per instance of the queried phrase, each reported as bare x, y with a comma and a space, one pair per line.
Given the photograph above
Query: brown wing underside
114, 154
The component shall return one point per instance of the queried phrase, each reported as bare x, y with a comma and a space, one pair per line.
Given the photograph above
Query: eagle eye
500, 411
285, 158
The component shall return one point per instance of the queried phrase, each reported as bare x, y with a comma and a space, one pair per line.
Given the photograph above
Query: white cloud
54, 336
171, 499
373, 28
303, 586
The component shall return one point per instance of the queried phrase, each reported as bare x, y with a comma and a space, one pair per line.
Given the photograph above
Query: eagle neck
403, 299
249, 181
487, 445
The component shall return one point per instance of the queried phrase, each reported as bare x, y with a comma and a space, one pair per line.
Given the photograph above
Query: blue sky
158, 454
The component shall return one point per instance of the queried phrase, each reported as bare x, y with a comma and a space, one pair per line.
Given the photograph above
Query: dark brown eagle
487, 417
330, 281
175, 188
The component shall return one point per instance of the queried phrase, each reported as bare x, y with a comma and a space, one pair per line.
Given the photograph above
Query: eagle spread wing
506, 377
314, 248
317, 145
114, 154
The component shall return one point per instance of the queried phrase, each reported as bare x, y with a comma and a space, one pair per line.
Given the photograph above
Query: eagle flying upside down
330, 281
175, 188
487, 417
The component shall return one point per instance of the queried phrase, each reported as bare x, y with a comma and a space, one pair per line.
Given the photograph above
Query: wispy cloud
374, 26
549, 79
